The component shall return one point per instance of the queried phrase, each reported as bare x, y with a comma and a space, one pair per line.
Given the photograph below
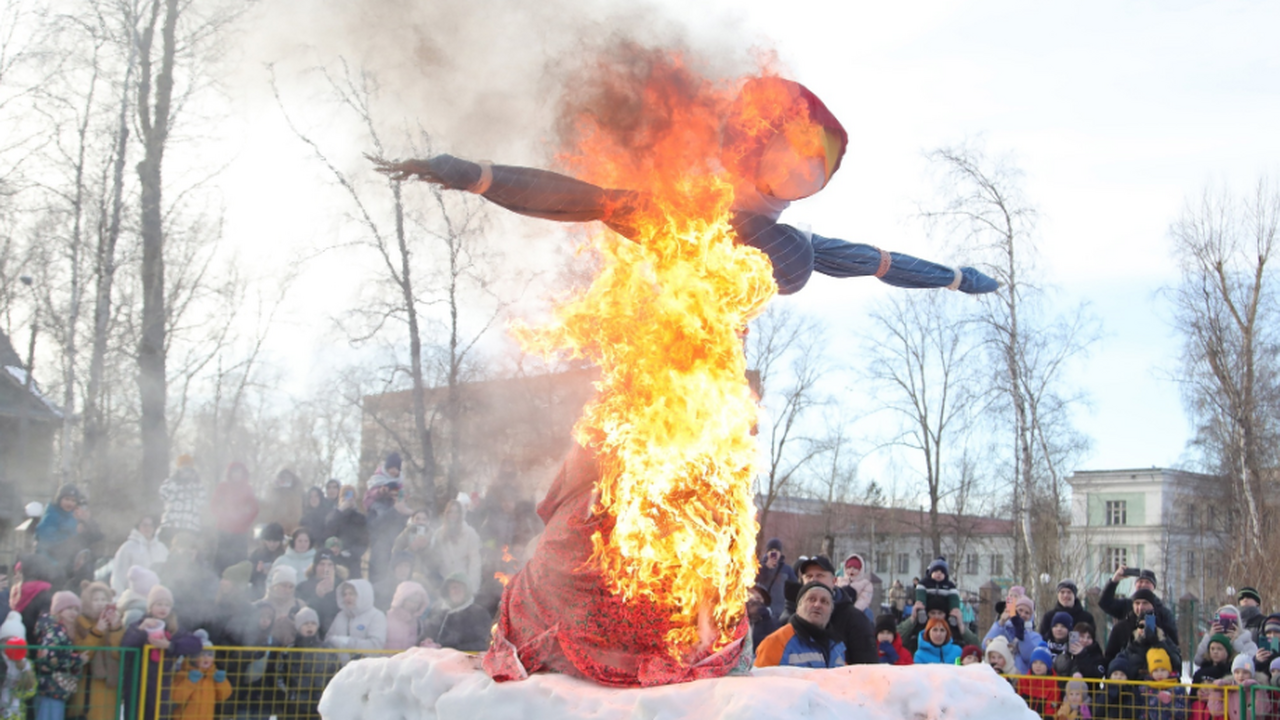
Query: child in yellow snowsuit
199, 688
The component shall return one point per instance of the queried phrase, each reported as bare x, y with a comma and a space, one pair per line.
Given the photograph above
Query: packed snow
424, 684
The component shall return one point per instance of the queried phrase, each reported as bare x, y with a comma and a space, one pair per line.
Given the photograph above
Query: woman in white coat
141, 548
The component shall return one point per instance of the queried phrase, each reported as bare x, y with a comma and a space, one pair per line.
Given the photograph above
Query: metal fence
1062, 698
91, 681
245, 683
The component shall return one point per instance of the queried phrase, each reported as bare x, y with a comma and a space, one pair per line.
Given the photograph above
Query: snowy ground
445, 684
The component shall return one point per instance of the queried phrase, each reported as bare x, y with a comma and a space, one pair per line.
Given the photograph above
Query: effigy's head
781, 137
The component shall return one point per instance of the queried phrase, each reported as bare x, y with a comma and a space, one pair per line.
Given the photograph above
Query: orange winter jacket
197, 700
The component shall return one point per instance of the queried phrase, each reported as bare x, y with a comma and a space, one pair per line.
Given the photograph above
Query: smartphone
1132, 572
1227, 621
1074, 638
1274, 645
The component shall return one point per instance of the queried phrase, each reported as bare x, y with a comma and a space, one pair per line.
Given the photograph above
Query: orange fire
500, 576
663, 320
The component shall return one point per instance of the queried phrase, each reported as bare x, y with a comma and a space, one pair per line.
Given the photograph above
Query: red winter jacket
904, 655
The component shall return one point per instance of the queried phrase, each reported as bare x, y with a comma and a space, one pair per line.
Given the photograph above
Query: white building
1154, 518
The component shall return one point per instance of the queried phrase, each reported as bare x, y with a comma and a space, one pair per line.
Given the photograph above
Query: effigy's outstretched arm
528, 191
839, 258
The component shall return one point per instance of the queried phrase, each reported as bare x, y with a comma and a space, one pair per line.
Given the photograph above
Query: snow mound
428, 684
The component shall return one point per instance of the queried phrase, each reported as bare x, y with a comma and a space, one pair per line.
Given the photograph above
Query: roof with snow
17, 400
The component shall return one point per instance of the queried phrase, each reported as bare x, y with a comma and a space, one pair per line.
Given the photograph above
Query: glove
195, 676
890, 655
953, 622
1019, 627
220, 676
920, 617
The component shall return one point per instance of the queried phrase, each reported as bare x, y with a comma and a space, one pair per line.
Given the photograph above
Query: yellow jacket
198, 700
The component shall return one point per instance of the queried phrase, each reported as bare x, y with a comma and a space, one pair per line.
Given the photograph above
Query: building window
904, 563
997, 565
1115, 557
882, 562
971, 564
1191, 564
1117, 512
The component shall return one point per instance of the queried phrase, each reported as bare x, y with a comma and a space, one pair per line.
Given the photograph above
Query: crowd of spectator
232, 568
814, 615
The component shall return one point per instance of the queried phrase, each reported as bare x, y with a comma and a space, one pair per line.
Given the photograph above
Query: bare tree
982, 200
1226, 312
925, 364
787, 349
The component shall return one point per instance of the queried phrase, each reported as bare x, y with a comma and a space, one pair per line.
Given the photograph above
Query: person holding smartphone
1120, 608
1226, 624
1268, 648
774, 575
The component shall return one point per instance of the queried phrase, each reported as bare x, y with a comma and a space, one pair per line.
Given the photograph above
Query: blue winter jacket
1022, 649
56, 527
930, 654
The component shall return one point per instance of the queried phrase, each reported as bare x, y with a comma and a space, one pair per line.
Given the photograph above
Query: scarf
814, 635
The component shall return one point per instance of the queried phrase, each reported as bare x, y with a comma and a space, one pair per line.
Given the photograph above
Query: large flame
663, 319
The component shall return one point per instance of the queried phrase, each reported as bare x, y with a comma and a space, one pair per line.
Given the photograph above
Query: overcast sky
1115, 112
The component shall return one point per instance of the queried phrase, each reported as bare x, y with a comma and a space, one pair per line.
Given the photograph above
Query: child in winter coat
308, 672
889, 643
935, 646
98, 626
937, 582
158, 629
856, 579
1060, 633
1083, 657
1015, 625
1041, 692
57, 669
1000, 658
19, 678
1164, 698
359, 625
970, 655
1075, 703
405, 623
1117, 700
198, 687
1257, 703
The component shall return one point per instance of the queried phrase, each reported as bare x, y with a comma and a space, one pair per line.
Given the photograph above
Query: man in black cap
848, 624
1068, 602
1120, 608
1249, 601
1141, 631
808, 639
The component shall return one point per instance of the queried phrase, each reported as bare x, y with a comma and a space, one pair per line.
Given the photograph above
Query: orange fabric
769, 653
198, 700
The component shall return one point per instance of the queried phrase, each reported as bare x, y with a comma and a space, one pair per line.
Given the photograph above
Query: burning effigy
642, 573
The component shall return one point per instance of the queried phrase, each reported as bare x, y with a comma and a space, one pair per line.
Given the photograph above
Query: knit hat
1069, 585
1078, 686
853, 562
159, 593
1148, 575
1000, 646
1144, 594
332, 543
68, 490
1158, 659
939, 563
63, 600
12, 626
206, 645
1120, 664
1242, 662
1063, 618
283, 574
239, 574
886, 623
141, 580
273, 531
1248, 592
1026, 601
1222, 640
392, 461
773, 544
86, 595
1272, 621
1042, 654
1274, 667
306, 615
936, 622
971, 651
